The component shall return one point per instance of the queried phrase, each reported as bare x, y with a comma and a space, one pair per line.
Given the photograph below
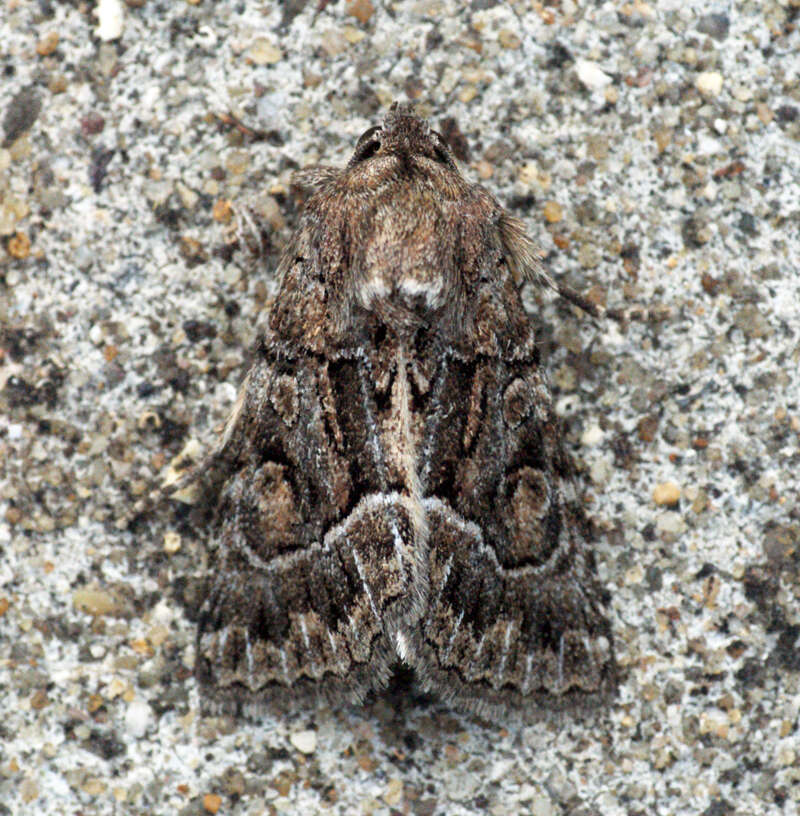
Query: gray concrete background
652, 149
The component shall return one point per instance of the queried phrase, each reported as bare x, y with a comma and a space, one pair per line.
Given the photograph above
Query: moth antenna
623, 314
524, 258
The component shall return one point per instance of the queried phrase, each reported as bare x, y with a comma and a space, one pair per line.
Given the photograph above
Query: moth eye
368, 145
440, 152
367, 135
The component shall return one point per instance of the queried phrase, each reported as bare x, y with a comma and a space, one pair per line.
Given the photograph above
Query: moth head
403, 135
399, 232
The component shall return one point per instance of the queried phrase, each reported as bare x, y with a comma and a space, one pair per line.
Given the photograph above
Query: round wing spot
285, 399
517, 402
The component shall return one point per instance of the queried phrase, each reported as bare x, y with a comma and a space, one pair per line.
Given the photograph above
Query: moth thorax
418, 291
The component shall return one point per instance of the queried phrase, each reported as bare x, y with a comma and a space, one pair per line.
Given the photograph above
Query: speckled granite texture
653, 150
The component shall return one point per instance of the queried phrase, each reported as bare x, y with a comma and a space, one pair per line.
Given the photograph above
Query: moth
392, 486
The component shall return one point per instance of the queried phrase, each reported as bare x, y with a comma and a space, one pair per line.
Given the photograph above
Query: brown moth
392, 485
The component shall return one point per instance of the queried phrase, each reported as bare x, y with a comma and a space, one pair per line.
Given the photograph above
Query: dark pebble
106, 745
21, 113
753, 674
719, 807
715, 25
787, 649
